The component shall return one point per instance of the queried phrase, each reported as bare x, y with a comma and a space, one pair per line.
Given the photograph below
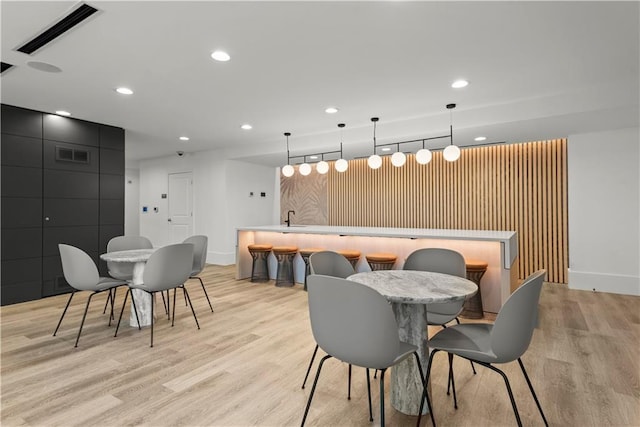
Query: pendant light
374, 160
322, 167
452, 152
288, 170
341, 164
304, 169
398, 159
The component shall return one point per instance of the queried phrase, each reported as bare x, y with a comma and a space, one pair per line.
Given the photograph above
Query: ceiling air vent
62, 26
5, 67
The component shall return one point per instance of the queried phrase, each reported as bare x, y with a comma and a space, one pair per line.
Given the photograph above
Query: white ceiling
537, 70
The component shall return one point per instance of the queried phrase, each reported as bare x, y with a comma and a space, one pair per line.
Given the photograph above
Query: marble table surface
410, 293
130, 255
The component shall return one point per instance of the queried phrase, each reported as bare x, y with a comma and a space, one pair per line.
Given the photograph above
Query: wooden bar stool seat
352, 255
284, 272
259, 266
473, 306
305, 253
381, 261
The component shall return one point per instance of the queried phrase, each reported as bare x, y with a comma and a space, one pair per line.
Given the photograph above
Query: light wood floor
245, 366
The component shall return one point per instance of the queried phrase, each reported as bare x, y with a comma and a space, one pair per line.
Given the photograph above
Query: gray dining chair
329, 263
355, 324
504, 341
81, 274
446, 261
122, 270
167, 268
199, 243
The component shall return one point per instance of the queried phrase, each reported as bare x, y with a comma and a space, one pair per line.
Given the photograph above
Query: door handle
46, 218
169, 219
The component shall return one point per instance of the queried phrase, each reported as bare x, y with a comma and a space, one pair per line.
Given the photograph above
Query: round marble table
409, 293
139, 258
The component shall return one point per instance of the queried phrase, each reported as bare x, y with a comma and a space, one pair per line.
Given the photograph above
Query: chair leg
506, 381
369, 395
152, 316
84, 316
205, 292
164, 303
186, 294
533, 393
349, 384
424, 385
310, 363
122, 310
64, 312
425, 393
451, 380
382, 397
313, 389
104, 310
473, 368
173, 315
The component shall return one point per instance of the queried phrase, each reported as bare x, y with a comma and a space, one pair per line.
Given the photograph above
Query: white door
180, 206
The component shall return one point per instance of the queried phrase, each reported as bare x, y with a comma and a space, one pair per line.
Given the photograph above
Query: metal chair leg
424, 385
109, 298
122, 311
191, 305
84, 316
425, 390
313, 389
369, 395
506, 381
533, 393
452, 381
382, 397
349, 384
473, 368
205, 291
310, 363
152, 316
64, 312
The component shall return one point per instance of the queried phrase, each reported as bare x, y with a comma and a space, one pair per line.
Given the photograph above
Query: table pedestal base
406, 385
142, 298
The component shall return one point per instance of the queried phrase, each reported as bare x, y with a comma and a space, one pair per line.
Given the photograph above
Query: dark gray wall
62, 182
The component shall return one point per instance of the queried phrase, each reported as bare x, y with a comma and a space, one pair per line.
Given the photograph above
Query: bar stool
351, 255
473, 306
381, 261
284, 272
305, 253
259, 266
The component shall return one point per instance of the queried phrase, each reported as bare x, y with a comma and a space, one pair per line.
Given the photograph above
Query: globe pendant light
322, 167
288, 170
341, 164
304, 169
374, 160
423, 156
398, 159
452, 152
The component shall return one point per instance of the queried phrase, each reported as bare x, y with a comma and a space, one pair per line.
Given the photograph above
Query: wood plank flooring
246, 364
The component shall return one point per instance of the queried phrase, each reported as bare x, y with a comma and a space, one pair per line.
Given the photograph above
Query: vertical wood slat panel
519, 187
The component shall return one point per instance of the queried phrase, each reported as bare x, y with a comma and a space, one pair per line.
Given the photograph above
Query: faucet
288, 220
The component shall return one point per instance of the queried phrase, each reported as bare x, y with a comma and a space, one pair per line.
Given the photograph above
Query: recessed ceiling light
124, 91
459, 84
331, 110
313, 157
43, 66
63, 113
246, 126
386, 149
480, 138
220, 55
184, 138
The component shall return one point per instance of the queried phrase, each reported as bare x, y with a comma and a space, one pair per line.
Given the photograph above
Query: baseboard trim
221, 258
614, 283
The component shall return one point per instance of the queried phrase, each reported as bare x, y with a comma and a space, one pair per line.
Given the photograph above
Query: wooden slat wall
521, 187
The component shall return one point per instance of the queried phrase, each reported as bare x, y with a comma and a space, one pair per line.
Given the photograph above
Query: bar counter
498, 248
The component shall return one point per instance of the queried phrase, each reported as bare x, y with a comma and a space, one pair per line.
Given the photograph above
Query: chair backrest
328, 263
168, 267
78, 268
122, 270
514, 325
438, 260
352, 322
199, 252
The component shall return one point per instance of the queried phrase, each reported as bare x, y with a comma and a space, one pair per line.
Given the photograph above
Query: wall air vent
5, 67
62, 26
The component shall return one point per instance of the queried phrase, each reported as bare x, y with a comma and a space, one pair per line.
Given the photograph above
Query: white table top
132, 255
416, 287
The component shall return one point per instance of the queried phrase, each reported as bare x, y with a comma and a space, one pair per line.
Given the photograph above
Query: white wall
220, 196
131, 202
604, 211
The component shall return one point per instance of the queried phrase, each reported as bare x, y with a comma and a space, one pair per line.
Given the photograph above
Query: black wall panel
21, 182
21, 243
83, 237
65, 129
21, 212
108, 232
53, 282
112, 162
70, 212
111, 186
111, 137
21, 151
21, 270
20, 121
71, 185
21, 292
111, 211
